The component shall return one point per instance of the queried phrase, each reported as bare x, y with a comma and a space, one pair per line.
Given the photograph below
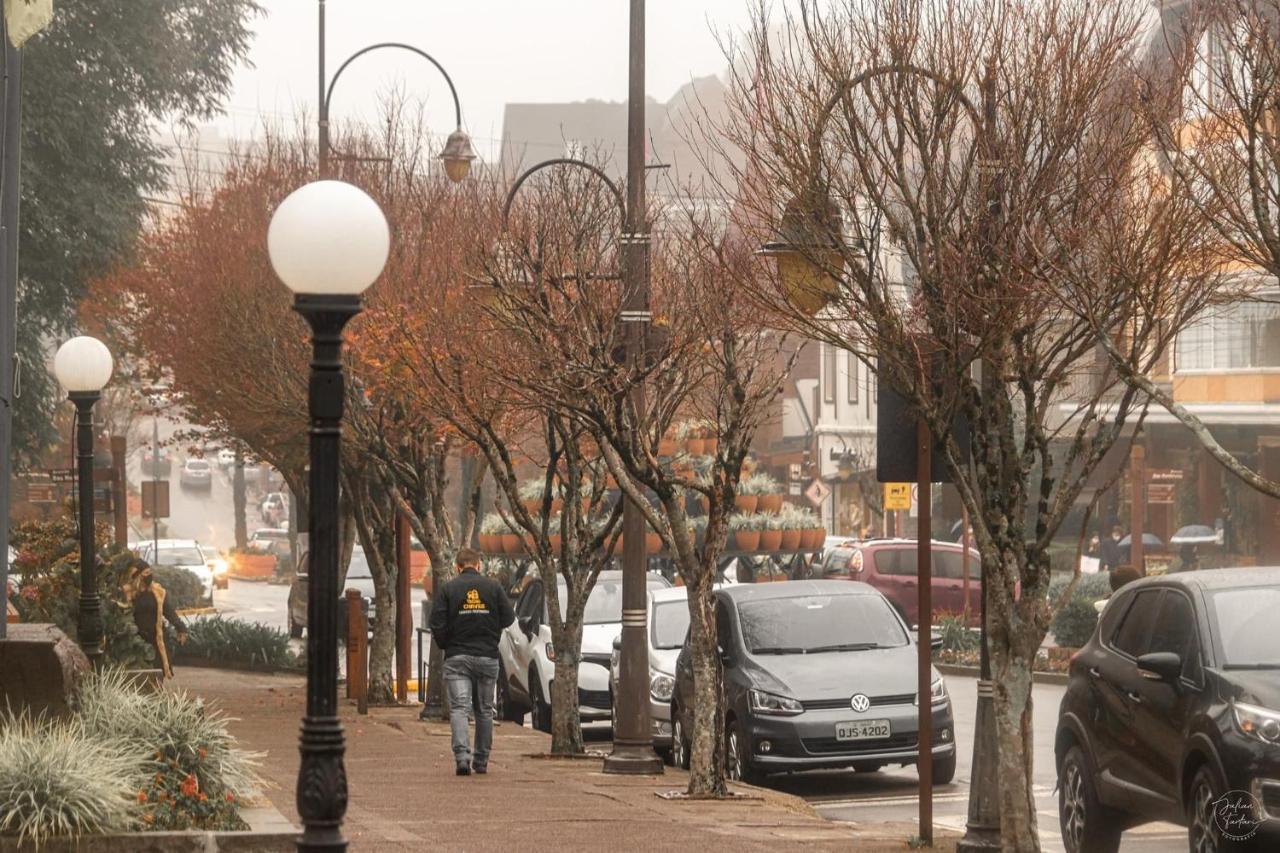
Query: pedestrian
1111, 553
1188, 560
151, 606
467, 620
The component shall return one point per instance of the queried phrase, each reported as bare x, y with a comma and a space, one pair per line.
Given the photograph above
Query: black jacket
469, 614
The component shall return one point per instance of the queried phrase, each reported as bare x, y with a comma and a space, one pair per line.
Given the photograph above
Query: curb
972, 672
197, 611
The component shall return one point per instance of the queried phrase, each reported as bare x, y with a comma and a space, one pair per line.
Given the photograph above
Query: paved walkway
404, 795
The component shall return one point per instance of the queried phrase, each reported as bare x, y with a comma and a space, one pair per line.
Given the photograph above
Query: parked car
668, 625
150, 455
264, 536
226, 458
817, 675
1172, 713
183, 554
889, 565
196, 474
358, 577
527, 656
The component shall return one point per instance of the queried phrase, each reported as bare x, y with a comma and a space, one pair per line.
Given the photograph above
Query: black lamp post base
633, 760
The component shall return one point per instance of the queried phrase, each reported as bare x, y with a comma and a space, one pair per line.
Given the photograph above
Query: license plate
863, 730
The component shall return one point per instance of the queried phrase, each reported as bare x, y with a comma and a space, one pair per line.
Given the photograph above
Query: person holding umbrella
1188, 538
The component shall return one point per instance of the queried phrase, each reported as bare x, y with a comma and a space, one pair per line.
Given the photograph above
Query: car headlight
662, 686
551, 652
768, 703
218, 567
1258, 723
937, 692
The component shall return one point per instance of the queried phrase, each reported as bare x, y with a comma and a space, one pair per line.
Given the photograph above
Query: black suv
1172, 713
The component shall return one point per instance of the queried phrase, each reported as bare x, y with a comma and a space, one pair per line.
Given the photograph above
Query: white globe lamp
83, 364
328, 238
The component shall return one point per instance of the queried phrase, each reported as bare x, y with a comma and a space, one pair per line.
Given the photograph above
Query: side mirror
526, 625
617, 644
724, 655
1161, 666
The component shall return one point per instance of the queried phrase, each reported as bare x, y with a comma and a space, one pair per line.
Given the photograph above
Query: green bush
48, 567
183, 586
956, 635
1074, 622
58, 780
231, 641
195, 774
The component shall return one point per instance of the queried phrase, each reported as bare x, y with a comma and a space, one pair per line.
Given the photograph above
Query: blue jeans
467, 678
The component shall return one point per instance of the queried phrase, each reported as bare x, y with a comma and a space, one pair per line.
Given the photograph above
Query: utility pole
633, 737
10, 190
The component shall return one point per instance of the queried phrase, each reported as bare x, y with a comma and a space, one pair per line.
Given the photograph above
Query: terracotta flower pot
556, 505
652, 543
253, 566
770, 540
533, 507
747, 540
811, 539
555, 541
769, 503
695, 446
791, 539
746, 503
668, 447
529, 543
511, 543
710, 446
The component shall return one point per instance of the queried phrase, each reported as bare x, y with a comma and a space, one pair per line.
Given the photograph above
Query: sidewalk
404, 795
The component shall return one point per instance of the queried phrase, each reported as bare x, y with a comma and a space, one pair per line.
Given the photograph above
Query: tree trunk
1012, 704
239, 501
566, 725
382, 646
706, 768
435, 699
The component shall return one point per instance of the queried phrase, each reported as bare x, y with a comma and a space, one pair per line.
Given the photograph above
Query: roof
794, 589
674, 593
1210, 579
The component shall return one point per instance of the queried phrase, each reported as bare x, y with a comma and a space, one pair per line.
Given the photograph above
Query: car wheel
295, 630
679, 743
540, 717
505, 710
944, 769
737, 763
1087, 826
1203, 835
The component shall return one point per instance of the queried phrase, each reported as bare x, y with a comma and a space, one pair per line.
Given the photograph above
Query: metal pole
1138, 510
119, 448
924, 616
90, 602
155, 479
964, 559
404, 607
322, 778
633, 739
323, 136
10, 174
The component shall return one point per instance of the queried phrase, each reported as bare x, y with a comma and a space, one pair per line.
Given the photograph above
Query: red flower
231, 798
142, 796
190, 785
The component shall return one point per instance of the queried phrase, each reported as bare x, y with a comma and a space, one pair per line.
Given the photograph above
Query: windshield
813, 623
604, 605
190, 556
197, 465
1244, 628
670, 624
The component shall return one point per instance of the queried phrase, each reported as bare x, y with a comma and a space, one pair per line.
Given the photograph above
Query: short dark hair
1122, 575
468, 557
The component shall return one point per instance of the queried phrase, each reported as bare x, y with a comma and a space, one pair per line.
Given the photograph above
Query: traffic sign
817, 492
897, 496
155, 498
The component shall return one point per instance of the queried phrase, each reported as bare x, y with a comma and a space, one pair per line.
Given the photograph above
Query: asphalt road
891, 793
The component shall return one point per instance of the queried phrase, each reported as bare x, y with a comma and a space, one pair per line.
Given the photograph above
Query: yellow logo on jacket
473, 601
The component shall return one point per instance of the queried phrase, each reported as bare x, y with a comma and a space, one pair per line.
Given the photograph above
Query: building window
1235, 337
828, 373
852, 379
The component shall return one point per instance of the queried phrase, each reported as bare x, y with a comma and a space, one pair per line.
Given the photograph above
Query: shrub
231, 641
195, 774
57, 780
182, 585
1074, 622
956, 635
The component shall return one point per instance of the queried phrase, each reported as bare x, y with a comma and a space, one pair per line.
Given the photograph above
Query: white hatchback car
184, 554
527, 656
668, 626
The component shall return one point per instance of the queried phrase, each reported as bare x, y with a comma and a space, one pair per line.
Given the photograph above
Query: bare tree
968, 197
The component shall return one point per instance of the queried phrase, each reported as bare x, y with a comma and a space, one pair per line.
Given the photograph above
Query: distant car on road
183, 554
274, 508
196, 474
226, 458
150, 468
359, 577
817, 675
1172, 713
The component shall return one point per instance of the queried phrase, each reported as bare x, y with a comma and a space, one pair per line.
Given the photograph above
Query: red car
889, 565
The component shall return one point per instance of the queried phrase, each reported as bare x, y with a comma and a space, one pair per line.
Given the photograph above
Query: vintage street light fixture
83, 366
328, 242
809, 252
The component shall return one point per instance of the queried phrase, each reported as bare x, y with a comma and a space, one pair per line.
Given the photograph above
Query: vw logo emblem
859, 703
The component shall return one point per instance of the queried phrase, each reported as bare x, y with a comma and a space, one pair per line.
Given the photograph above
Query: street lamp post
328, 242
83, 366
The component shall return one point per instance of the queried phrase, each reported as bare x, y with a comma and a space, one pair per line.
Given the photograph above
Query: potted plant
511, 540
530, 492
812, 533
491, 528
691, 433
766, 489
668, 445
792, 526
252, 563
746, 531
770, 532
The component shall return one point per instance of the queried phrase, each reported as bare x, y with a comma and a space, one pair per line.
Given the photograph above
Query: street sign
897, 496
61, 475
155, 498
817, 492
42, 493
25, 18
794, 471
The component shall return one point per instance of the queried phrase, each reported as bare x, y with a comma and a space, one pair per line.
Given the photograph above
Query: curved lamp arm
564, 161
328, 95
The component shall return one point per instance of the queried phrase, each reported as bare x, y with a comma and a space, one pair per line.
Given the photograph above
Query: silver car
196, 474
668, 625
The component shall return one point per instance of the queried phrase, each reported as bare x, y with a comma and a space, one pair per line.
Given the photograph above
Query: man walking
467, 619
151, 607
